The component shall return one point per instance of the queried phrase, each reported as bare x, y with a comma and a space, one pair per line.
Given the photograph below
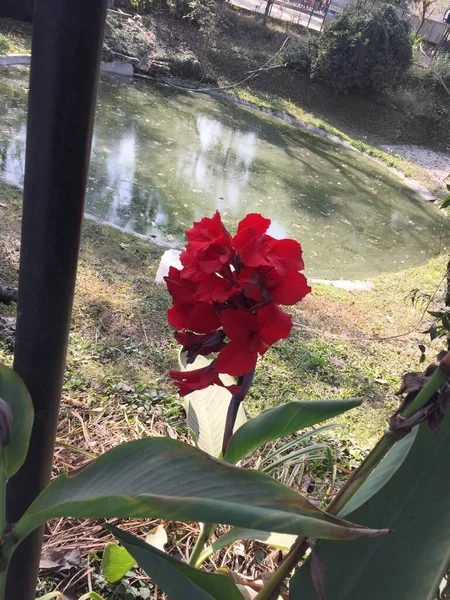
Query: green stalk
205, 531
271, 589
297, 551
3, 583
4, 562
389, 439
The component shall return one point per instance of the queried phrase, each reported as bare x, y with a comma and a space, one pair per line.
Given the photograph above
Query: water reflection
161, 159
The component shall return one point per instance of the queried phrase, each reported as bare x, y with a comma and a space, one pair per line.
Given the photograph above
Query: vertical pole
66, 54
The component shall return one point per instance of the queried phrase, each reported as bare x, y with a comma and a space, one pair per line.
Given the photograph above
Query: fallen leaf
157, 538
60, 560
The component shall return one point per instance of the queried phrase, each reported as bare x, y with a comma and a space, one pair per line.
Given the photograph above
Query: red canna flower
195, 345
226, 298
250, 335
181, 289
266, 284
200, 317
209, 243
213, 288
198, 379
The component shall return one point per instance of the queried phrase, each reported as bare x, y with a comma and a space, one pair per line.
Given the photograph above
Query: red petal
284, 255
191, 269
275, 325
181, 290
207, 229
212, 258
250, 283
288, 290
214, 289
203, 318
257, 222
178, 316
235, 360
238, 324
199, 379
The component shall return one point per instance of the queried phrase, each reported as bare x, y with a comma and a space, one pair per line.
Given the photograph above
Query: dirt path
436, 164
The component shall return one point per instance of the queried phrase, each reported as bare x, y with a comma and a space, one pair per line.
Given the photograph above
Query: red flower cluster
226, 297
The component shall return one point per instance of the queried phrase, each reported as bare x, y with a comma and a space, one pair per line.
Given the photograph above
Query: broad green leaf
116, 562
165, 478
382, 474
280, 421
177, 579
91, 596
52, 596
278, 540
409, 563
206, 410
14, 392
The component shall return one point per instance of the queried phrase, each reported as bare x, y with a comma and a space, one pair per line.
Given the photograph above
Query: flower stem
272, 587
245, 381
205, 531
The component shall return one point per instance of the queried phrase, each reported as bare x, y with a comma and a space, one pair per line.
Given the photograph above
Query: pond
163, 158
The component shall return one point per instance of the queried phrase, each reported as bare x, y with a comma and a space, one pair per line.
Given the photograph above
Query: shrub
199, 11
363, 50
4, 44
300, 53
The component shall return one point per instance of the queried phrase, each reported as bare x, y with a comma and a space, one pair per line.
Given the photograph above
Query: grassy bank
15, 37
117, 387
119, 333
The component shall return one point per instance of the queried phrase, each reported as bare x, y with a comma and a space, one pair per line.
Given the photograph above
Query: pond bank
119, 333
395, 163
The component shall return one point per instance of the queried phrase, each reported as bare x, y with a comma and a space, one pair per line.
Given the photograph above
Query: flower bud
6, 418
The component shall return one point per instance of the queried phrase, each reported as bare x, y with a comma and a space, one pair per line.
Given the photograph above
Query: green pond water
162, 159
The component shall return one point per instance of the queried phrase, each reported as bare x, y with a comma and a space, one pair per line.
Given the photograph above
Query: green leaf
279, 540
177, 579
381, 474
409, 563
206, 410
280, 421
91, 596
116, 562
446, 202
14, 393
165, 478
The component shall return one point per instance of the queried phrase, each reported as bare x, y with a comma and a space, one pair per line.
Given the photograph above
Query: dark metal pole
66, 54
17, 9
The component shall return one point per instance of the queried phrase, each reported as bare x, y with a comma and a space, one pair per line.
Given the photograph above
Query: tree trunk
267, 11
